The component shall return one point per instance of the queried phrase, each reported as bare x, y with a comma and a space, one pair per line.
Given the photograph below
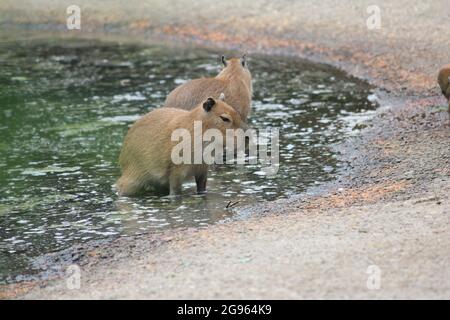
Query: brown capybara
145, 159
235, 81
444, 82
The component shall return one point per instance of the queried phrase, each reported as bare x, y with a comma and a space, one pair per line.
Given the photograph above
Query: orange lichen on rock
10, 291
140, 24
351, 196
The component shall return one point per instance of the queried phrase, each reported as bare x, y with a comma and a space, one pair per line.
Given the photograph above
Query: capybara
145, 159
444, 82
235, 81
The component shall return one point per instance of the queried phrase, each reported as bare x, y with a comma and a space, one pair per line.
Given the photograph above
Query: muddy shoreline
399, 167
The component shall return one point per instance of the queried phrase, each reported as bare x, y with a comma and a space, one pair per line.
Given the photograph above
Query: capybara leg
128, 187
200, 180
175, 185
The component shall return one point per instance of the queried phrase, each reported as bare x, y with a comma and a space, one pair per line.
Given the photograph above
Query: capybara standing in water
146, 156
235, 81
444, 82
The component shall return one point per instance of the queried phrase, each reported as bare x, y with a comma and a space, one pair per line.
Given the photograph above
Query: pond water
65, 106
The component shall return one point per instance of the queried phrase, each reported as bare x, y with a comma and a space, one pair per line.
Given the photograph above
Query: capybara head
218, 114
444, 80
236, 66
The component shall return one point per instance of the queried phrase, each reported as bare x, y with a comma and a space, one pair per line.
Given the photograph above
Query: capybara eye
224, 61
225, 119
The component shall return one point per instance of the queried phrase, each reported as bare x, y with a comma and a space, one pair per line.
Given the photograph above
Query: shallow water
65, 107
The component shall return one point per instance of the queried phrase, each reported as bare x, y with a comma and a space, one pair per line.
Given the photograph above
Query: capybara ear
208, 104
222, 97
244, 60
224, 61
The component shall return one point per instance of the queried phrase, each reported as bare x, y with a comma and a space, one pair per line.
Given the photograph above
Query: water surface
65, 107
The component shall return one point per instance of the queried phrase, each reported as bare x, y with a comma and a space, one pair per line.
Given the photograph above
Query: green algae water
65, 107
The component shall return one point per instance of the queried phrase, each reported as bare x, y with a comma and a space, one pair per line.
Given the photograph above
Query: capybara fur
444, 82
145, 159
235, 81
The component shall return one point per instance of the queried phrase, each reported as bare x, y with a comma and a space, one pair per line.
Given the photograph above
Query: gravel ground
389, 209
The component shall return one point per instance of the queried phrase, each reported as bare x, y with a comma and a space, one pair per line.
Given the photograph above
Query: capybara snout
444, 82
